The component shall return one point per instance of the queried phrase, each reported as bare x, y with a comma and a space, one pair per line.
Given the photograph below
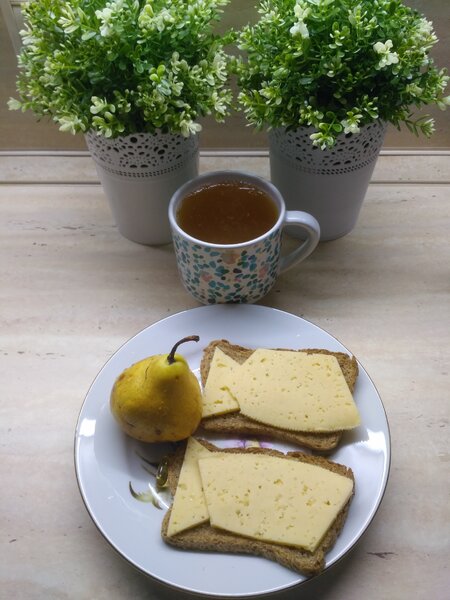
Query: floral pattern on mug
213, 275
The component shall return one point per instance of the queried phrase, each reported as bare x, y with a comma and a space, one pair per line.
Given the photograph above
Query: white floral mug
239, 272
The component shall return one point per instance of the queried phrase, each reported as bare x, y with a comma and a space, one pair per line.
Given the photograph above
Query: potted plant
133, 76
325, 77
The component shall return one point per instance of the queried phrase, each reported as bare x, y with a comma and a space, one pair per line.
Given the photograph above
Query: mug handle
308, 224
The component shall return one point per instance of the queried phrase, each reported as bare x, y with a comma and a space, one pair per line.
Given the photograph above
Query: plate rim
227, 596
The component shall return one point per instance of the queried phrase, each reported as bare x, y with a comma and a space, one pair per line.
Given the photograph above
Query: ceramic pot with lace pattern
139, 174
329, 184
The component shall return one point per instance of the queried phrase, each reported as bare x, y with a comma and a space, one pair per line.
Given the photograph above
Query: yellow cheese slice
189, 506
272, 499
217, 399
295, 391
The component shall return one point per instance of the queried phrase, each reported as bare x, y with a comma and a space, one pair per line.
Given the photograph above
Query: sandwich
288, 508
225, 411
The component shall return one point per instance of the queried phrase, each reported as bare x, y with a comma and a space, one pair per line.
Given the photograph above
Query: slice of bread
206, 538
238, 424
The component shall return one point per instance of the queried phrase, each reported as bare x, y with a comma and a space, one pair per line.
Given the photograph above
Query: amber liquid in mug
227, 213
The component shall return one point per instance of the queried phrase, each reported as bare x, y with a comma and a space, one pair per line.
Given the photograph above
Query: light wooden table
72, 291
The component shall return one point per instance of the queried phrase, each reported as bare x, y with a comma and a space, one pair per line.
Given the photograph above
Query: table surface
73, 291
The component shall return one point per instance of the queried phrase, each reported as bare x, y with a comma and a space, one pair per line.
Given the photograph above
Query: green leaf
87, 35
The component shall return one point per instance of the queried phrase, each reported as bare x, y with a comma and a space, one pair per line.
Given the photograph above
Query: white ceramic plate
106, 460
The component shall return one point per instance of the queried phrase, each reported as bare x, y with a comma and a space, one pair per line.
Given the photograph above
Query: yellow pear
158, 399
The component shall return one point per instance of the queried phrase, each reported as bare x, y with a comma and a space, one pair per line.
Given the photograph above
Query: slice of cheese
295, 391
189, 507
273, 499
217, 399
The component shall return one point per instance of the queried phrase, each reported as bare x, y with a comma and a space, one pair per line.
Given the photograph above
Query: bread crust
238, 424
206, 538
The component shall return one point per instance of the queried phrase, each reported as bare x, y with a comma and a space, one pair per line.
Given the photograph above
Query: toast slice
206, 538
238, 424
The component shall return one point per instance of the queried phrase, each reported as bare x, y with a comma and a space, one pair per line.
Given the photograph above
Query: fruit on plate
158, 399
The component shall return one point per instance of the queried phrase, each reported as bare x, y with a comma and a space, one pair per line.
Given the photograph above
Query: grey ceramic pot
139, 174
329, 184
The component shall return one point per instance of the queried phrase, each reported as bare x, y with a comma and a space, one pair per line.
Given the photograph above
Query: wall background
21, 131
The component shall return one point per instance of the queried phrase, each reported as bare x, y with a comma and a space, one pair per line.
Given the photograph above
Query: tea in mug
229, 212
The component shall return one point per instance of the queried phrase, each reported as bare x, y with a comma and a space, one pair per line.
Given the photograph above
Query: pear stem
189, 338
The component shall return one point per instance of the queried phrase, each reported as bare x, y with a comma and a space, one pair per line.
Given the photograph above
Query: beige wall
20, 131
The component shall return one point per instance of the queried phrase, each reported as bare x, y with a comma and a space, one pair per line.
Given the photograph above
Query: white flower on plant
414, 89
300, 28
424, 33
350, 127
71, 123
106, 16
301, 11
219, 104
162, 19
351, 123
189, 127
68, 20
322, 140
100, 105
28, 38
310, 116
219, 66
387, 57
197, 6
271, 93
427, 126
443, 103
151, 21
14, 104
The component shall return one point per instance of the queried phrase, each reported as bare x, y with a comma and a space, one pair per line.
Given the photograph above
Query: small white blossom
387, 57
351, 123
427, 126
14, 104
219, 104
414, 89
424, 34
300, 28
219, 66
162, 19
68, 20
322, 140
188, 127
349, 127
444, 102
70, 123
106, 16
301, 11
151, 21
100, 105
28, 38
